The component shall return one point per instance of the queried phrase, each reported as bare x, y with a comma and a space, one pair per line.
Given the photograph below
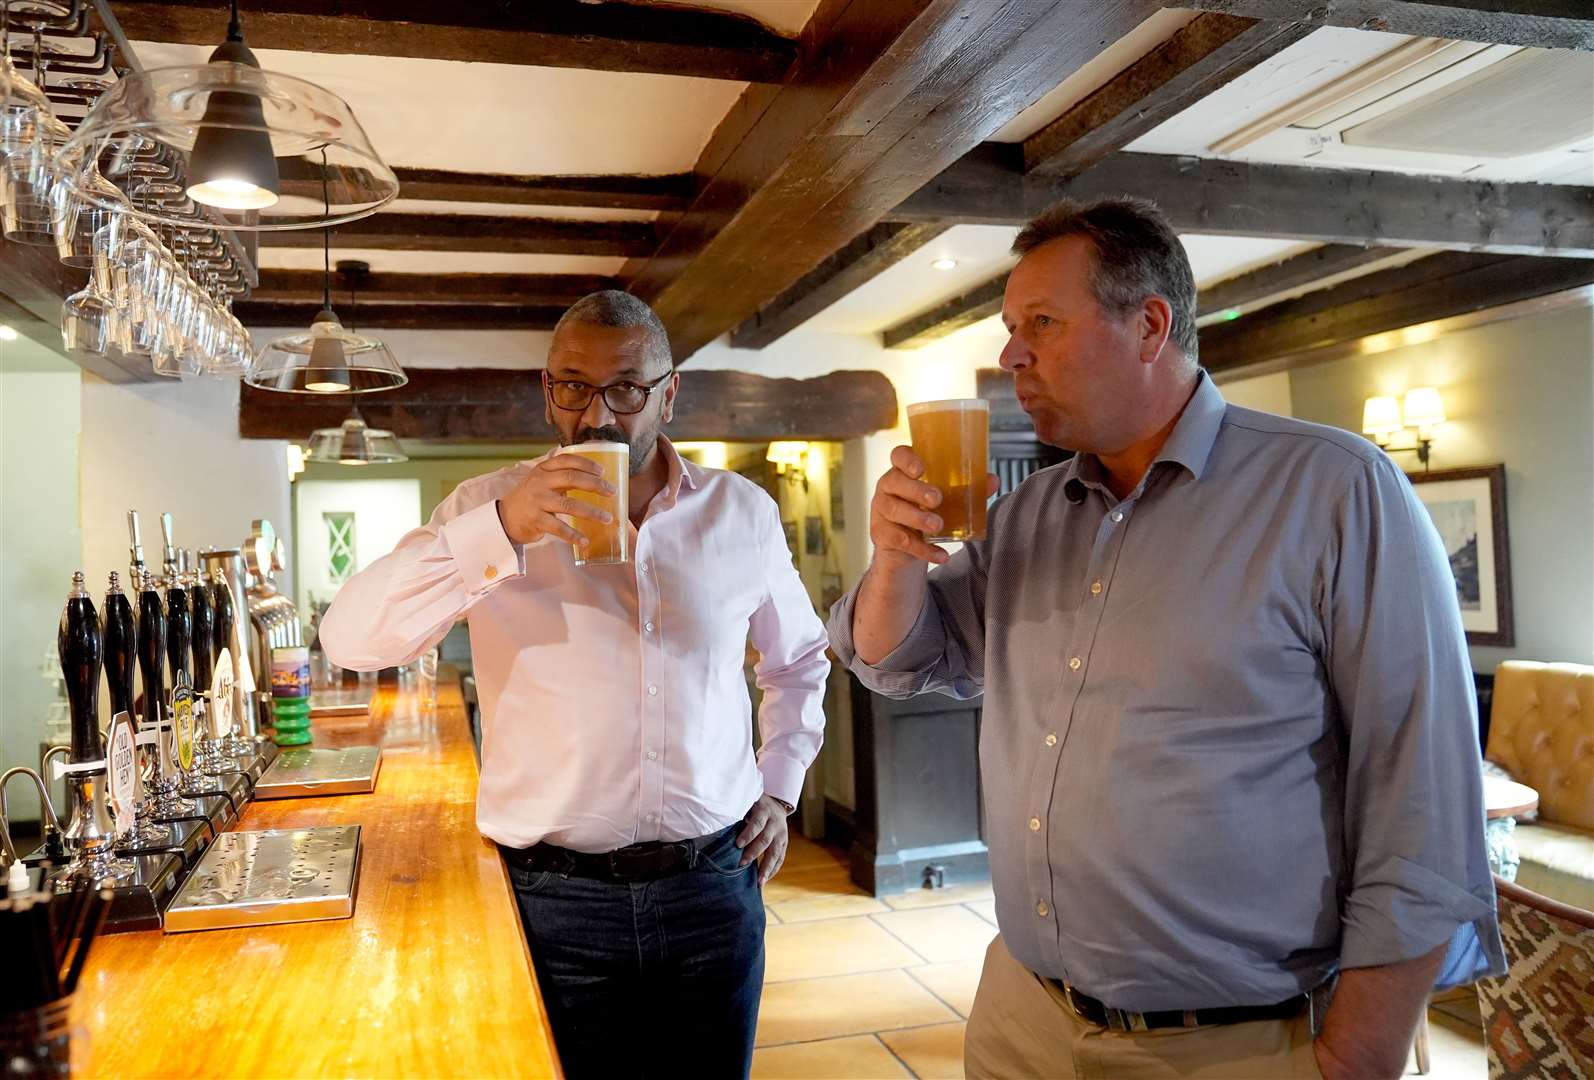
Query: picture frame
790, 528
813, 535
1468, 508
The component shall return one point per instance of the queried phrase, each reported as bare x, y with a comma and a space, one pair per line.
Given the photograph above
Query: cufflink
490, 572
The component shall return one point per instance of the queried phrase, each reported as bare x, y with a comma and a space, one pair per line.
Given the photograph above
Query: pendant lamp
353, 443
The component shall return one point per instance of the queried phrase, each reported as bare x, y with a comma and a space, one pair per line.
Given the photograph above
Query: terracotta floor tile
770, 916
812, 1009
953, 982
859, 1057
803, 852
933, 1053
940, 934
815, 950
827, 906
952, 894
985, 909
809, 882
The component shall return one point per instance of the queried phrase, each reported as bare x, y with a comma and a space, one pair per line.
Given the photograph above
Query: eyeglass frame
548, 383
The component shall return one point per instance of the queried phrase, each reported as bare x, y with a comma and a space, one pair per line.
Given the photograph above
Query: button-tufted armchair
1541, 730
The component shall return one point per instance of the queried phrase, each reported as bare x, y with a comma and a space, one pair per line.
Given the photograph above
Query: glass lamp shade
251, 143
327, 360
355, 444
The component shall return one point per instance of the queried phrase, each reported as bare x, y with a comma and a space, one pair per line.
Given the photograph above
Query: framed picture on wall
1468, 508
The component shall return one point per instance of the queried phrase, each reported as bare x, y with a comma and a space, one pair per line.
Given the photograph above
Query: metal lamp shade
355, 444
231, 166
328, 360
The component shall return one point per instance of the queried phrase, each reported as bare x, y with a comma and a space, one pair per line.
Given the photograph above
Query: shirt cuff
905, 669
783, 777
1402, 911
480, 547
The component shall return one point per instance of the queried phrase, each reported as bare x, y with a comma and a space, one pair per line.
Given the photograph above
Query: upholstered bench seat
1558, 861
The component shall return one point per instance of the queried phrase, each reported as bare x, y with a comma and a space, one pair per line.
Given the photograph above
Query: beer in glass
609, 543
951, 438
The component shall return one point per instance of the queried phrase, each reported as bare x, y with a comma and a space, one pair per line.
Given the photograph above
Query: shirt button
1117, 515
653, 691
646, 569
1051, 740
1034, 824
490, 572
1043, 909
1073, 663
653, 755
1095, 588
653, 817
648, 627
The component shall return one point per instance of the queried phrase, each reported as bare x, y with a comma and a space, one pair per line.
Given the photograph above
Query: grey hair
1138, 254
612, 307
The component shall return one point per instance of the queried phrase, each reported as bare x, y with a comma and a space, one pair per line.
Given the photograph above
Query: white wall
39, 542
174, 446
1265, 393
384, 510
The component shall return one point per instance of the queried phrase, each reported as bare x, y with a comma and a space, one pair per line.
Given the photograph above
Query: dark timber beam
1438, 287
980, 302
1200, 58
537, 290
615, 192
662, 39
1285, 275
860, 260
493, 405
1236, 198
32, 285
886, 94
403, 316
477, 232
1548, 24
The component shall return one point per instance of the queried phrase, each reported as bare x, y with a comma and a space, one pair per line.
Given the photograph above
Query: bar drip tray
270, 876
317, 770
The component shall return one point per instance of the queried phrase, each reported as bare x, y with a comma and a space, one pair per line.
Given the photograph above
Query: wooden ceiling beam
886, 94
1198, 59
980, 302
1546, 24
537, 290
489, 405
1236, 198
1286, 275
657, 39
609, 191
257, 314
859, 261
477, 232
1440, 286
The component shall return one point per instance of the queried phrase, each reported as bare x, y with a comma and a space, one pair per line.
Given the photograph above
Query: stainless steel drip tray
270, 876
317, 770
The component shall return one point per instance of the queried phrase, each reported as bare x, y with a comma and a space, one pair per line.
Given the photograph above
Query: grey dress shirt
1230, 741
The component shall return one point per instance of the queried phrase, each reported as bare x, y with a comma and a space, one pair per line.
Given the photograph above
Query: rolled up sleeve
1397, 660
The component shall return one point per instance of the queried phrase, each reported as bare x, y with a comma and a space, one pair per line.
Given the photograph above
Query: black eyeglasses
622, 398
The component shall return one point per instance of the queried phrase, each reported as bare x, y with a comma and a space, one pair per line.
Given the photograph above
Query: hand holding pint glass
560, 489
606, 541
936, 490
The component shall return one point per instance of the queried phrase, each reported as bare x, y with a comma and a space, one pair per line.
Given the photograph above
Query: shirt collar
680, 470
1189, 444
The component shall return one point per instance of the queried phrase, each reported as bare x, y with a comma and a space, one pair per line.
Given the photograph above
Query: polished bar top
430, 977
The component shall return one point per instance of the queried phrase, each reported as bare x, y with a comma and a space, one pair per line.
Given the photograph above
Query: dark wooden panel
533, 289
858, 262
1338, 206
493, 405
32, 285
1438, 287
669, 40
671, 192
980, 302
256, 314
893, 95
477, 232
1549, 24
1200, 58
1286, 274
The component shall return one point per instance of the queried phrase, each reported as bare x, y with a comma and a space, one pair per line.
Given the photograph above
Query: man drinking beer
618, 775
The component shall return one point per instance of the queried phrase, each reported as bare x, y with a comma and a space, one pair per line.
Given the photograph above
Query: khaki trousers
1020, 1029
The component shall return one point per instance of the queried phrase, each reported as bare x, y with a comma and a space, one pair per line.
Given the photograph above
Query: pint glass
951, 438
609, 543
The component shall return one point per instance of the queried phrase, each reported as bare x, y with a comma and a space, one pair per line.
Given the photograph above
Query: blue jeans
654, 979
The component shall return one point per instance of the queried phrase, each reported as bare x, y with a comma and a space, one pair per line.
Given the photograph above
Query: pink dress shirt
614, 706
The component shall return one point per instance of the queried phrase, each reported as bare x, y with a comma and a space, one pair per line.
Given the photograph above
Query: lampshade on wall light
353, 443
1422, 410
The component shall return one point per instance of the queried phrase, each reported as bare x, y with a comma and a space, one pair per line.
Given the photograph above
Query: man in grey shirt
1229, 748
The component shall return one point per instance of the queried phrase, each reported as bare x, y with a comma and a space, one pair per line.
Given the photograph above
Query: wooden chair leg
1421, 1045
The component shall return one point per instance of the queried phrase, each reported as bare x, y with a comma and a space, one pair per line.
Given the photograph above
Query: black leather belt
639, 862
1093, 1011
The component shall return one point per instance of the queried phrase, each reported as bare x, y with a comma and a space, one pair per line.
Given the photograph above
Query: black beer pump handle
203, 630
78, 641
152, 650
120, 647
179, 633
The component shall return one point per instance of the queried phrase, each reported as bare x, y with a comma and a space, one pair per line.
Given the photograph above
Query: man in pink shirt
618, 774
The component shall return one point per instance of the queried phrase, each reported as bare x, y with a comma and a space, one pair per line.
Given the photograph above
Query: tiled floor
866, 988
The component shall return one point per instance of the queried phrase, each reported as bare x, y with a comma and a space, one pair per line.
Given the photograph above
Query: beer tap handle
82, 655
202, 636
221, 594
151, 639
169, 557
135, 551
120, 647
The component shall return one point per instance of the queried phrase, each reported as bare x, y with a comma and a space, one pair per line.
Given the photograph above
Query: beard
641, 444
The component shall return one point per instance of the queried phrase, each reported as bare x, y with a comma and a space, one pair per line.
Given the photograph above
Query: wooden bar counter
430, 977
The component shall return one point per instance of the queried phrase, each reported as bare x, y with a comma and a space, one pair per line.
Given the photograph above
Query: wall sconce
1420, 412
790, 460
